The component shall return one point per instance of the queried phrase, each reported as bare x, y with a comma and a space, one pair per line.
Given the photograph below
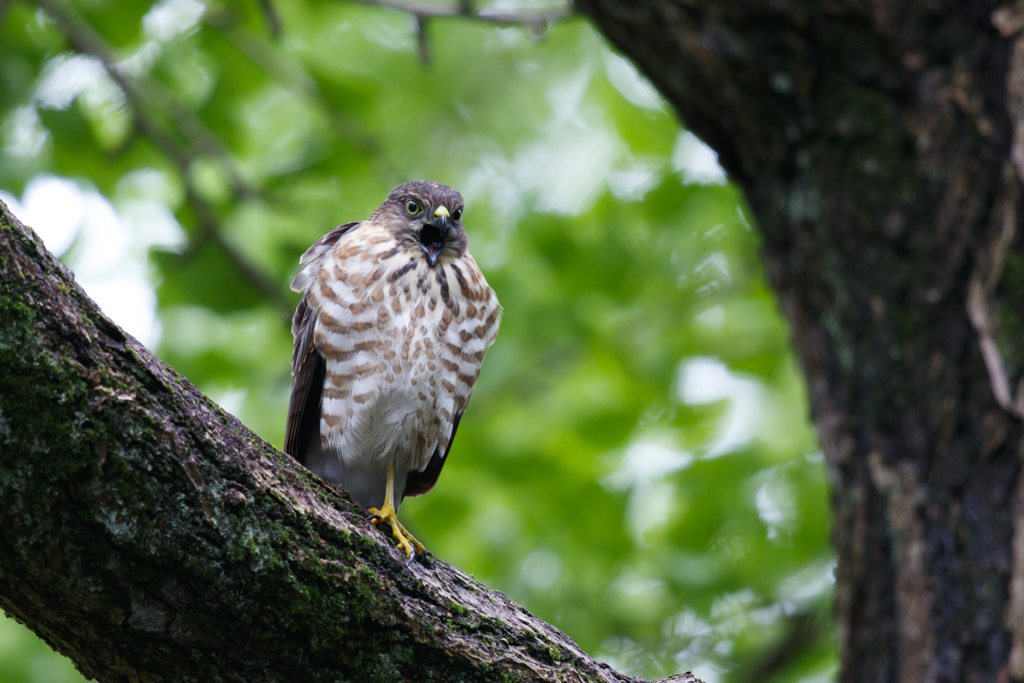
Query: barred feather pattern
403, 344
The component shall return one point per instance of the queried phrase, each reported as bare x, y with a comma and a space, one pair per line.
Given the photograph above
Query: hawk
389, 337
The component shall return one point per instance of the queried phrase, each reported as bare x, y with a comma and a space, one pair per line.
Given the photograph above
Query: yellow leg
387, 514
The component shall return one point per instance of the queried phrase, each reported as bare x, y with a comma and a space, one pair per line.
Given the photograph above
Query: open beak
435, 233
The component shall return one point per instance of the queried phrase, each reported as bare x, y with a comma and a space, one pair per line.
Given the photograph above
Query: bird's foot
409, 545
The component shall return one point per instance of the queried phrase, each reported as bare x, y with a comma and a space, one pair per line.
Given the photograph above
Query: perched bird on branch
389, 338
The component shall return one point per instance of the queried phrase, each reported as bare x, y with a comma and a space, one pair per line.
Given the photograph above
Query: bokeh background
636, 465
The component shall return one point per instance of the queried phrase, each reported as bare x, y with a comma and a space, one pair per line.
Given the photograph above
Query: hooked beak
435, 233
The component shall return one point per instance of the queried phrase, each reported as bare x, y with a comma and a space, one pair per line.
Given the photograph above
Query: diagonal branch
148, 535
142, 100
143, 94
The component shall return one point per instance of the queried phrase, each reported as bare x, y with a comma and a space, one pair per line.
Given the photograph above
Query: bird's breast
403, 343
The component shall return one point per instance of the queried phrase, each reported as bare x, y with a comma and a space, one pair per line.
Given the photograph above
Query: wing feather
421, 482
308, 365
308, 372
310, 261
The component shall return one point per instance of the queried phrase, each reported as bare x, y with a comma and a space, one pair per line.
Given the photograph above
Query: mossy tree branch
149, 536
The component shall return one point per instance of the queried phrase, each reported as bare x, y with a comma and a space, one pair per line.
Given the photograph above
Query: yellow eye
413, 208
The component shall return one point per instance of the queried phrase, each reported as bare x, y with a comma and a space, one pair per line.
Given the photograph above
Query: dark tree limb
187, 140
149, 536
875, 143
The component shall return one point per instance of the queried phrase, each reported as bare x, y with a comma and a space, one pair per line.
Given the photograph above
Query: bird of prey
389, 336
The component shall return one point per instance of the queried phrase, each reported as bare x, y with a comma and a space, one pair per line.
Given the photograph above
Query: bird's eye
456, 214
413, 208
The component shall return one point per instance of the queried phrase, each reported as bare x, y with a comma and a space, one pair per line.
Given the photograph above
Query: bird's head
427, 217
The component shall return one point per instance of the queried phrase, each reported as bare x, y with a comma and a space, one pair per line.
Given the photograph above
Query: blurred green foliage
636, 465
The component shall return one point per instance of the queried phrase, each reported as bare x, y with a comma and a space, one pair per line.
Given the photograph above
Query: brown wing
326, 243
308, 371
420, 483
308, 366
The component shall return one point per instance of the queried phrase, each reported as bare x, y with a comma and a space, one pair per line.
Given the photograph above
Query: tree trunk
881, 148
150, 536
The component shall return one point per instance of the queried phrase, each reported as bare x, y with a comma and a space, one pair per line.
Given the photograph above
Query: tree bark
149, 536
880, 146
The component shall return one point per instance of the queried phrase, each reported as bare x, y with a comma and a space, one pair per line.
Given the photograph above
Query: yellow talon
406, 541
409, 545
